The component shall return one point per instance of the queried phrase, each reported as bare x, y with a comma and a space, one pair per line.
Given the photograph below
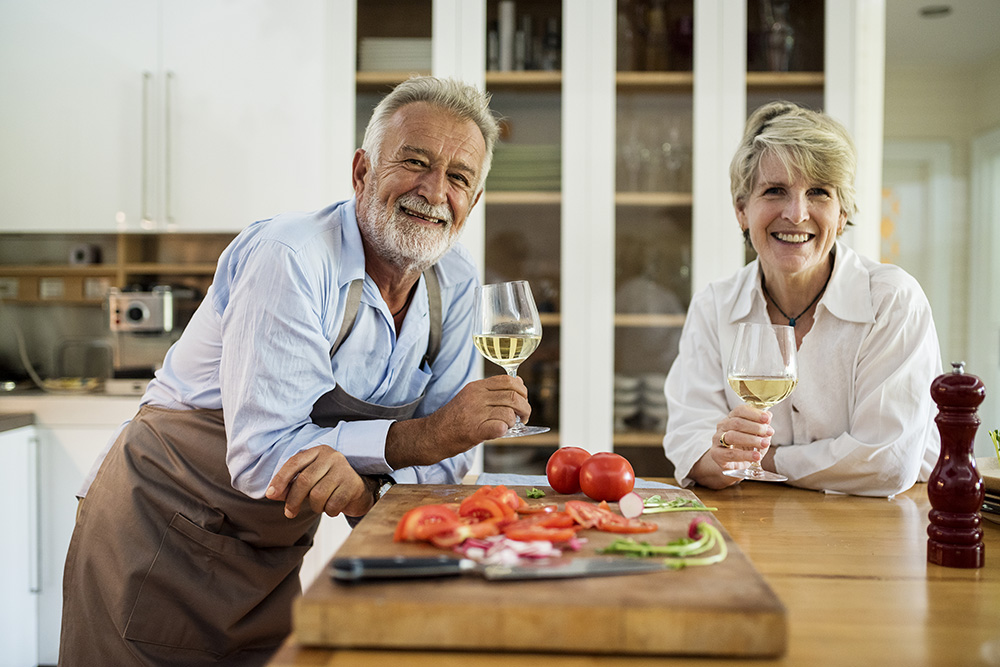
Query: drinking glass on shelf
763, 372
506, 330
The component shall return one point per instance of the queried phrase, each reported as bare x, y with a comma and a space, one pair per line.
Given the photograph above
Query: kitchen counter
72, 409
852, 572
11, 420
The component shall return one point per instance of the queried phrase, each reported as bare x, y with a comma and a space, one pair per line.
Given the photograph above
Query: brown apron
169, 564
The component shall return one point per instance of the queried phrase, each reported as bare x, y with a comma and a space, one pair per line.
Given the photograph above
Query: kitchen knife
351, 569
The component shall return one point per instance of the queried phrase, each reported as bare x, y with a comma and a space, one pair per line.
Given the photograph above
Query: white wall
950, 105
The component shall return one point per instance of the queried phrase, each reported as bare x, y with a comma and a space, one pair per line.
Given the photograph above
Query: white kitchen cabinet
190, 115
71, 431
72, 119
19, 553
69, 434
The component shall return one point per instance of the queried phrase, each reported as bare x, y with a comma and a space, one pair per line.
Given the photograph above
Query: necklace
407, 302
793, 320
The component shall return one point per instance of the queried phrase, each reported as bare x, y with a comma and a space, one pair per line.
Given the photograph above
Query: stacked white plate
654, 401
394, 54
628, 393
525, 167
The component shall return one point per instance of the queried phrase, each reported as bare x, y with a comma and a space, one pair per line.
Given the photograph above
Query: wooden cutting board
722, 609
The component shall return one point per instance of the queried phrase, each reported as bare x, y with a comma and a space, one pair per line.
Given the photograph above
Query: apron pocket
215, 593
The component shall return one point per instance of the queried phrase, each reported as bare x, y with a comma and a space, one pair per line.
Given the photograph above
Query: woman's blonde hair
806, 142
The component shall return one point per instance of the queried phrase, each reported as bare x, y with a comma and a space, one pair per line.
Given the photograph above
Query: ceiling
965, 37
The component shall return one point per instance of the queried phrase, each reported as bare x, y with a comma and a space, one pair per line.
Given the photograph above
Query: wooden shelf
771, 80
149, 268
659, 81
551, 439
649, 320
523, 198
59, 270
639, 439
550, 319
527, 80
625, 81
654, 199
381, 82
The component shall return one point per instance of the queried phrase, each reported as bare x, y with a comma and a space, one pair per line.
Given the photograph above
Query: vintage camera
151, 311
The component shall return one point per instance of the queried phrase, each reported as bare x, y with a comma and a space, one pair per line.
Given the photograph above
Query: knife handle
396, 567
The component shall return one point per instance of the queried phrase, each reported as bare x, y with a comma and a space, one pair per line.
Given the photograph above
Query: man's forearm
412, 443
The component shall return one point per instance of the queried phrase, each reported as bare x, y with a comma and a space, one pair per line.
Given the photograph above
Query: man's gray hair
465, 101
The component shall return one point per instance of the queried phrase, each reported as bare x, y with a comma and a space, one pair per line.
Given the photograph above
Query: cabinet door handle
34, 518
168, 148
147, 79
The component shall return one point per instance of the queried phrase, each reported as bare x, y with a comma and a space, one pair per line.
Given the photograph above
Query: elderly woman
860, 420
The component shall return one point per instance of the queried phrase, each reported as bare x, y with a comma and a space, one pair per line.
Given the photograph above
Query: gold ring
722, 441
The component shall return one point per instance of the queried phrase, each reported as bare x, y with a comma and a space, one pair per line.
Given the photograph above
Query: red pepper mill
955, 487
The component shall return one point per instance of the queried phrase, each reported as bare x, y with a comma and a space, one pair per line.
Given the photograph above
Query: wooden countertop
851, 571
11, 420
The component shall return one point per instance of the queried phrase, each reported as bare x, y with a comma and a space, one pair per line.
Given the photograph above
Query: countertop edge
12, 420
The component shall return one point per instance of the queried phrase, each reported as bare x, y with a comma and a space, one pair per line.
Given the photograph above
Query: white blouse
860, 420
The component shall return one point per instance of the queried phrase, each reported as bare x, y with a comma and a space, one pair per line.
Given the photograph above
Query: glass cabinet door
523, 201
393, 43
653, 203
785, 44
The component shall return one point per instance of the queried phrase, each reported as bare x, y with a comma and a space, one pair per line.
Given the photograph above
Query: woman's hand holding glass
763, 371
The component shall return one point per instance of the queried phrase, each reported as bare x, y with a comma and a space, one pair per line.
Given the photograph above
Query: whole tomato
563, 469
606, 476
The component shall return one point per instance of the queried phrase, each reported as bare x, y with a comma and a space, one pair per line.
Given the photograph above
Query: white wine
762, 392
506, 350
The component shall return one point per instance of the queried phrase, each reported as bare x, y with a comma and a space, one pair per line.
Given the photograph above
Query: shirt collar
352, 254
846, 297
746, 292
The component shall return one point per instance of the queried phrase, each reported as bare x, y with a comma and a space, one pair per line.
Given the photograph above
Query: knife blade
353, 569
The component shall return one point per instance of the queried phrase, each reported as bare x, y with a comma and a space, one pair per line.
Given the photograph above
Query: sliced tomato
537, 508
508, 497
464, 531
602, 518
422, 523
481, 507
622, 525
547, 520
537, 533
585, 514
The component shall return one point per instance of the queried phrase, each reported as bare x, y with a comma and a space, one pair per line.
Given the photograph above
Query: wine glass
506, 330
763, 372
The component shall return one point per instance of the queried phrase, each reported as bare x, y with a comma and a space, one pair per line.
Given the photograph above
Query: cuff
363, 443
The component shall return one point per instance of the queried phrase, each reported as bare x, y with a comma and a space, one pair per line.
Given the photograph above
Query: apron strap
350, 312
433, 303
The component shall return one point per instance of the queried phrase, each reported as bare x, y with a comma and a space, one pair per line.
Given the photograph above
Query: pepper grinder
955, 487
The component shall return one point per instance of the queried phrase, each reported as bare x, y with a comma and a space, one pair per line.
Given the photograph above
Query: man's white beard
407, 245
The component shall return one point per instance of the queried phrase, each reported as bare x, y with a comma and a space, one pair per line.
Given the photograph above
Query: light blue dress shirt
258, 347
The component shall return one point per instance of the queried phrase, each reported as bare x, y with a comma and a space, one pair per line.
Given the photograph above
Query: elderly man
331, 356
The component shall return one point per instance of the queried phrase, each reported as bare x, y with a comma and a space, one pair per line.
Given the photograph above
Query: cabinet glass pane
394, 43
652, 218
785, 43
523, 201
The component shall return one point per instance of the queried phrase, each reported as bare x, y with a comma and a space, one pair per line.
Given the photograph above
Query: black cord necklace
407, 302
793, 320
